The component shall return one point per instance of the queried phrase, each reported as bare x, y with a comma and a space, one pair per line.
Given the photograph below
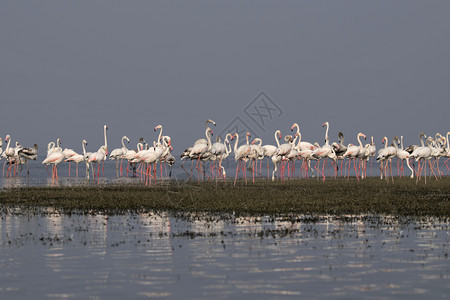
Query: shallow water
157, 255
39, 176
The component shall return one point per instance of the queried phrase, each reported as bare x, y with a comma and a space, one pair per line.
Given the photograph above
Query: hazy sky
68, 67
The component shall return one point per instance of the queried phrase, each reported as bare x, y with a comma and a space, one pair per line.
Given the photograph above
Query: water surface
158, 255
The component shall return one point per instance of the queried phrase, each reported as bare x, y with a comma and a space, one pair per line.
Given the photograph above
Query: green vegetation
335, 196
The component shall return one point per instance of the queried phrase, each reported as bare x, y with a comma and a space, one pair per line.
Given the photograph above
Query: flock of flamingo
142, 160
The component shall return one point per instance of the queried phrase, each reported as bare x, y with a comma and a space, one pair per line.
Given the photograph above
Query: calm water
40, 177
156, 255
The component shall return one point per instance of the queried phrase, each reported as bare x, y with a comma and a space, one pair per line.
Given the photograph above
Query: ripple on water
158, 255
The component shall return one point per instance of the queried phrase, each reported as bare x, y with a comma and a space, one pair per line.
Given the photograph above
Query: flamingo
118, 153
352, 152
28, 153
301, 144
77, 158
269, 151
187, 152
68, 153
9, 154
280, 155
447, 151
203, 141
324, 152
97, 158
422, 154
219, 150
402, 155
241, 155
54, 157
256, 153
152, 156
200, 150
130, 155
100, 155
386, 154
259, 152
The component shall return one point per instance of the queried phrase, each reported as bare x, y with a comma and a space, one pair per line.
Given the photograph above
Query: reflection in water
158, 255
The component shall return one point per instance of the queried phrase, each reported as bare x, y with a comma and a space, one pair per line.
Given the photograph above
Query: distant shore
334, 197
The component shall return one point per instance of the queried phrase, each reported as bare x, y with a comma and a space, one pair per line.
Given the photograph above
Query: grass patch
335, 197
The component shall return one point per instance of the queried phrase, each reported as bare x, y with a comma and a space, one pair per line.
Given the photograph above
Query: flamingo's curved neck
160, 134
299, 140
292, 143
448, 142
373, 144
327, 140
246, 137
360, 143
7, 145
227, 141
298, 129
123, 144
50, 146
237, 142
84, 149
208, 137
386, 142
104, 133
421, 140
276, 138
395, 144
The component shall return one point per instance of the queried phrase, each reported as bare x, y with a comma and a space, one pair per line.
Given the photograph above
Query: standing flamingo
28, 153
101, 154
241, 155
402, 155
422, 154
352, 153
269, 151
280, 155
54, 158
200, 150
324, 152
118, 153
385, 155
219, 150
77, 158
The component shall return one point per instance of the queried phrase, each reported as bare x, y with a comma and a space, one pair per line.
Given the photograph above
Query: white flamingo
118, 154
352, 153
101, 154
241, 155
422, 154
402, 155
280, 155
200, 150
78, 158
385, 155
324, 152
